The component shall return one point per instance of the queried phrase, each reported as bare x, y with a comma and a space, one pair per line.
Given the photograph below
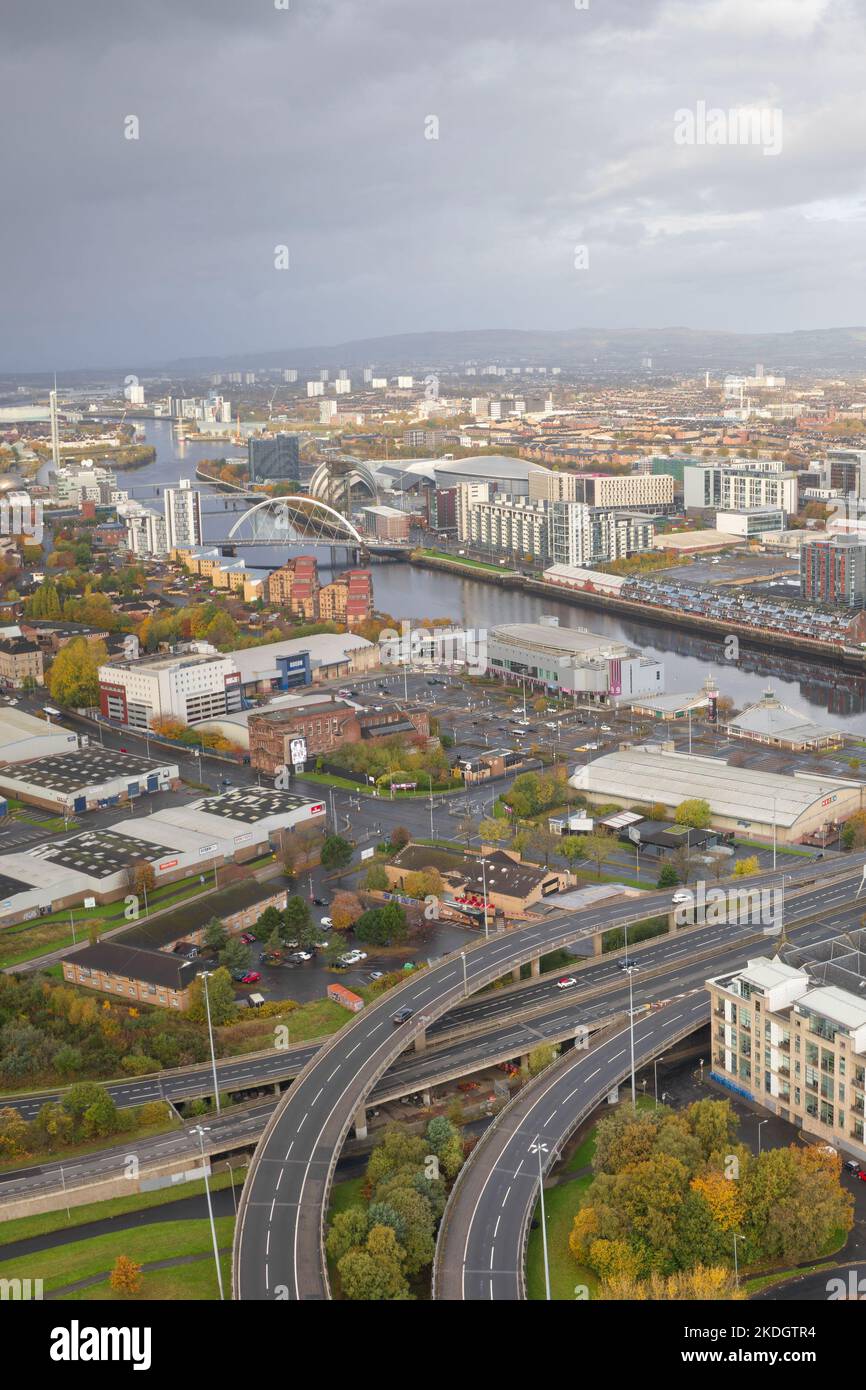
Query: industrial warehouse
740, 799
178, 842
94, 777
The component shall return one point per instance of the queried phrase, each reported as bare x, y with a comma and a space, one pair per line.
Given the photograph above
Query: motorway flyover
604, 996
480, 1253
279, 1236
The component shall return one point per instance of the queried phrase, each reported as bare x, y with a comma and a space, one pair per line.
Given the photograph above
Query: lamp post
205, 975
736, 1262
484, 891
538, 1148
201, 1131
761, 1124
631, 1036
465, 981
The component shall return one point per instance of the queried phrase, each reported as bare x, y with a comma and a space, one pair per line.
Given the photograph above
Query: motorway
279, 1234
480, 1251
505, 1005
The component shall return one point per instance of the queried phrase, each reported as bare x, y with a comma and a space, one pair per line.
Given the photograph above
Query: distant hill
828, 350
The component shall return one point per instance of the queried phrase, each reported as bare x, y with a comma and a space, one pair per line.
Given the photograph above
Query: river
831, 697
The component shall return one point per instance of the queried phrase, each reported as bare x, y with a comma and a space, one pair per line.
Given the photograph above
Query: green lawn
463, 560
561, 1203
64, 1264
46, 1222
187, 1283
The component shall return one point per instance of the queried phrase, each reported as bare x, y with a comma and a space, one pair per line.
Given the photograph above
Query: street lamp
201, 1131
538, 1148
205, 975
465, 981
761, 1123
629, 971
736, 1262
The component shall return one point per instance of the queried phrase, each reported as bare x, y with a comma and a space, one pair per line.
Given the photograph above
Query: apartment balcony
783, 1046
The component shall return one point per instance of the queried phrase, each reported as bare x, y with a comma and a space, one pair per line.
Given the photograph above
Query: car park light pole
539, 1148
201, 1131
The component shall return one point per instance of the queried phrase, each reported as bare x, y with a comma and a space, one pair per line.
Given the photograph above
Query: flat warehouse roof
99, 853
89, 767
642, 774
251, 804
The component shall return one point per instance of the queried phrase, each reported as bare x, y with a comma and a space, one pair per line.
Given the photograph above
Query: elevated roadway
279, 1237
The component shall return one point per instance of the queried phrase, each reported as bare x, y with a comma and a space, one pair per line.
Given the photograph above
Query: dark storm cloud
306, 127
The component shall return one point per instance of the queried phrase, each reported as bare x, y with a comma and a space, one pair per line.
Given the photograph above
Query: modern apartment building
734, 489
347, 599
847, 469
145, 530
795, 1047
182, 516
580, 535
653, 491
834, 571
510, 526
190, 688
295, 587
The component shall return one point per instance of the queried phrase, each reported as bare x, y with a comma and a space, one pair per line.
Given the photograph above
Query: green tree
348, 1232
694, 811
375, 1273
376, 879
215, 934
336, 852
668, 876
600, 848
220, 994
235, 954
72, 679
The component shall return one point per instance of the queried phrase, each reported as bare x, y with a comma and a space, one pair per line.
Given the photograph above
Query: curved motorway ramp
481, 1246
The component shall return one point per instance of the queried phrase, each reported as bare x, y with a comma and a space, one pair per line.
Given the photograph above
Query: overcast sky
261, 127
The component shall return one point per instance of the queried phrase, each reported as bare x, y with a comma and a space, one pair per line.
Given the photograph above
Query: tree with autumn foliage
125, 1277
345, 910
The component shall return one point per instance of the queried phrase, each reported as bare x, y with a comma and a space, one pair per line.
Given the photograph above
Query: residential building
734, 489
387, 523
790, 1035
182, 516
833, 571
295, 587
634, 490
20, 663
509, 526
149, 977
580, 535
347, 599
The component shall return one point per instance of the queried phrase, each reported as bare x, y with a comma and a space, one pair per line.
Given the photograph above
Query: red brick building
324, 726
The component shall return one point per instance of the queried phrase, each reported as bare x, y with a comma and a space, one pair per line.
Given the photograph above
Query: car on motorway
605, 729
566, 982
626, 964
326, 922
682, 896
402, 1016
122, 750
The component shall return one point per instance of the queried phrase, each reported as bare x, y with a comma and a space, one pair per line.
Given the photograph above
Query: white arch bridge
300, 521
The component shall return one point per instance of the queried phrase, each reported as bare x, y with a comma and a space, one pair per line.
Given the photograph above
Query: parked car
320, 902
252, 977
377, 974
402, 1016
567, 982
853, 1167
248, 937
325, 922
353, 957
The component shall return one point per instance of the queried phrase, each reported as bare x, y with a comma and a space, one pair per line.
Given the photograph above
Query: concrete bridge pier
361, 1122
